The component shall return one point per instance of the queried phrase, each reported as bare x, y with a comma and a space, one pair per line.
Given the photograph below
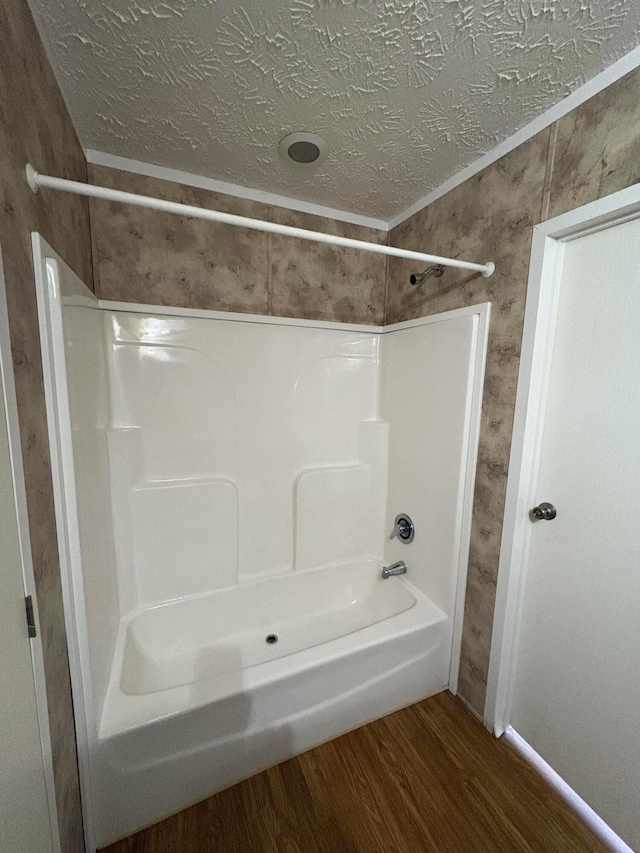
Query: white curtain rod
36, 180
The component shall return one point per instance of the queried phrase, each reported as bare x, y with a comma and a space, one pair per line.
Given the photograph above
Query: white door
577, 688
24, 815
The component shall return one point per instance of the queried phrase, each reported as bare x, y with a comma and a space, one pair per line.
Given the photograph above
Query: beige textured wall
150, 257
590, 153
35, 127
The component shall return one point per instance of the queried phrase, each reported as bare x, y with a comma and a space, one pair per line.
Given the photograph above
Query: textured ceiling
406, 92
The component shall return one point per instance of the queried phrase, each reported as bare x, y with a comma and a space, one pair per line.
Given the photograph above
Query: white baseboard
588, 815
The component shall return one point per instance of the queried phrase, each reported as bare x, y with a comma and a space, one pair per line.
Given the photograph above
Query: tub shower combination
227, 488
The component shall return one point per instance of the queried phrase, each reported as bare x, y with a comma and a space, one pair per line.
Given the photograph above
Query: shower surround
228, 485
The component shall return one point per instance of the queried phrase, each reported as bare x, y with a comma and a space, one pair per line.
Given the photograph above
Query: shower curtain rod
36, 180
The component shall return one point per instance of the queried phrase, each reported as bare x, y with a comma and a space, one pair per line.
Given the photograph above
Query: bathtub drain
271, 639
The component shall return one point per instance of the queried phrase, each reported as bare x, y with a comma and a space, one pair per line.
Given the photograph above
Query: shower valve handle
403, 528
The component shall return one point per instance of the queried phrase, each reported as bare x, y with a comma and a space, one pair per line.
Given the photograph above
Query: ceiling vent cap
303, 148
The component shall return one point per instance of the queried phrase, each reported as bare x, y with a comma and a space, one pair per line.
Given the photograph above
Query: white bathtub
197, 693
220, 633
287, 444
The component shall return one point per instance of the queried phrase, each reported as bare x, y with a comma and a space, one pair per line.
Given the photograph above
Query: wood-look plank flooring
428, 778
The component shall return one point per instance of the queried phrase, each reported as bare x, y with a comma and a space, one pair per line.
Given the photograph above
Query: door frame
543, 289
22, 519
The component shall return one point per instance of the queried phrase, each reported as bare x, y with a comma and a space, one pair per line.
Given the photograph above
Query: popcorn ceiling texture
406, 92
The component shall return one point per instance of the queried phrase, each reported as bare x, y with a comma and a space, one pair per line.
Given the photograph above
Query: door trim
22, 519
543, 287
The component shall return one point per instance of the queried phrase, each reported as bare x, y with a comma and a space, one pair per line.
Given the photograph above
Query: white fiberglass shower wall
225, 488
240, 451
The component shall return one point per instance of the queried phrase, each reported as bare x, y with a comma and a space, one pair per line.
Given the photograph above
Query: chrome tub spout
399, 568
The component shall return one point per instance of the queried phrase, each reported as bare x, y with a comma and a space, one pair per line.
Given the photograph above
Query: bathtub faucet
399, 568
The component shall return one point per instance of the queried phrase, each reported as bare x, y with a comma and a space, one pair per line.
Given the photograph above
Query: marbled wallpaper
590, 153
597, 149
145, 256
35, 127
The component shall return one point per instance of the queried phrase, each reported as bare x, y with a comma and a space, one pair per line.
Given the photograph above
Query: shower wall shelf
37, 181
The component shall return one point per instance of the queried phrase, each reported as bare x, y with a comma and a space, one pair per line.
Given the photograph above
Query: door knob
544, 512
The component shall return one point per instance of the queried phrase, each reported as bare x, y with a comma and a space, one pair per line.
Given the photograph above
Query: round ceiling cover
303, 148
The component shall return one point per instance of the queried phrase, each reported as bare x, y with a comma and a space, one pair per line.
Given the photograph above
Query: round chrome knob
544, 512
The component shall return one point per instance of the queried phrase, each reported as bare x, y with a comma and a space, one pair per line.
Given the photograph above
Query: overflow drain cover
271, 639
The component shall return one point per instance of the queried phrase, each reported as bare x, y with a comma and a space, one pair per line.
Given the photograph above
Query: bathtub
300, 459
200, 698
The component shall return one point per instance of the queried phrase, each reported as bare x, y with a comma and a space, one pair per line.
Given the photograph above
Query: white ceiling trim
592, 87
150, 170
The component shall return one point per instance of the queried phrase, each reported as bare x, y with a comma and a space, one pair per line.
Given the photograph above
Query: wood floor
428, 778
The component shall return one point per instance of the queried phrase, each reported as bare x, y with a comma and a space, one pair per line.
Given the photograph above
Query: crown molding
164, 173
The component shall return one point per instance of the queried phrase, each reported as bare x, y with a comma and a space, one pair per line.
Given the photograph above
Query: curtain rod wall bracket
36, 180
32, 178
